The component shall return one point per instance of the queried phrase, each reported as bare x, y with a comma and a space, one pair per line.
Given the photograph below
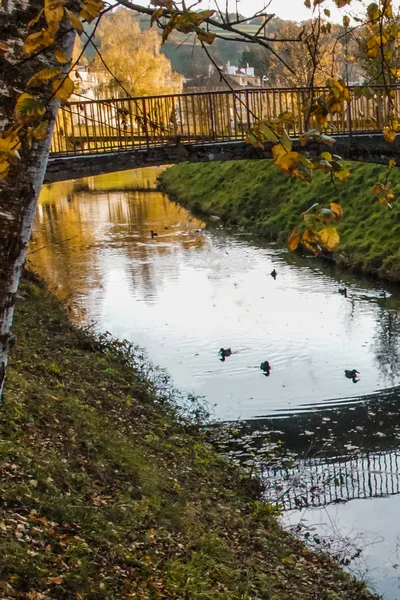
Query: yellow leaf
286, 116
294, 240
91, 10
40, 132
307, 3
327, 12
44, 76
329, 238
56, 580
388, 11
277, 152
205, 36
168, 28
156, 15
205, 14
36, 41
342, 174
373, 12
326, 156
4, 166
28, 109
54, 13
378, 189
346, 21
389, 134
163, 3
10, 144
337, 210
63, 88
288, 161
60, 56
36, 19
254, 141
392, 163
75, 21
310, 241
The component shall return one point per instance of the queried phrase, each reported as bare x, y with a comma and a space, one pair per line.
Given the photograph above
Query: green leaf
28, 109
286, 141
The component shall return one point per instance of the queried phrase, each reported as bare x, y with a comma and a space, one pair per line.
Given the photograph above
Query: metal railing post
212, 122
248, 110
145, 123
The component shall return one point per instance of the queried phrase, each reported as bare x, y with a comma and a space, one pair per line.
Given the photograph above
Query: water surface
188, 292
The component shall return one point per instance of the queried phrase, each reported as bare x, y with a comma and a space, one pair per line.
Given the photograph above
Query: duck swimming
273, 274
352, 374
153, 234
224, 353
266, 368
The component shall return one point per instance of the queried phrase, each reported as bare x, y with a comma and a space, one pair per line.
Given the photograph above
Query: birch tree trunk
20, 190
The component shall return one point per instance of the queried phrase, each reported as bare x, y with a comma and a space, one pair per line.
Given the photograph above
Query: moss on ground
256, 196
106, 493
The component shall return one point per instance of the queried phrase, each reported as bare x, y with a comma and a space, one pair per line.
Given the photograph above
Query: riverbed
127, 260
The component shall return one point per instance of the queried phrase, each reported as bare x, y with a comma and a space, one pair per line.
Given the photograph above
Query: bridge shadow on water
327, 454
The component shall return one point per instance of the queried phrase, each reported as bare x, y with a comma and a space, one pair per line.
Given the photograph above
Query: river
190, 290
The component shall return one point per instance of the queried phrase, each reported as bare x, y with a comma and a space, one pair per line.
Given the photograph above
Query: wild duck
265, 367
153, 234
273, 273
350, 374
225, 352
343, 291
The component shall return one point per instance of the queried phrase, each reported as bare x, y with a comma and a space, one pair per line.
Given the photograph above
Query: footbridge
99, 136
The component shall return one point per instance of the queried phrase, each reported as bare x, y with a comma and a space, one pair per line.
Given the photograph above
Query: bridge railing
144, 122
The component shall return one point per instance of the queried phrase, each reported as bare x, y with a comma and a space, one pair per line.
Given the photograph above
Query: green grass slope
107, 493
256, 196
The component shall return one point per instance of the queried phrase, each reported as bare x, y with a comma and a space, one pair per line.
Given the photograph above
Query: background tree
133, 59
373, 68
313, 58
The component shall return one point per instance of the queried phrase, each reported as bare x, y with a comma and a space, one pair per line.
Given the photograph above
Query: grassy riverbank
256, 196
107, 492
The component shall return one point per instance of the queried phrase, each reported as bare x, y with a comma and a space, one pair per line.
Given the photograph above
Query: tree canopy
131, 60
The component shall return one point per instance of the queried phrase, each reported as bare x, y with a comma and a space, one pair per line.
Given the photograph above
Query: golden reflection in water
75, 220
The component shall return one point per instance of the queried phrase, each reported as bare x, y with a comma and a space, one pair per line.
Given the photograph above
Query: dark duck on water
352, 374
224, 353
265, 368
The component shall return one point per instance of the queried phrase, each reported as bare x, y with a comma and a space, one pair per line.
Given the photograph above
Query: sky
285, 9
293, 10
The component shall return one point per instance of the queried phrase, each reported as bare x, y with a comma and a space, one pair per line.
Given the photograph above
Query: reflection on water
186, 292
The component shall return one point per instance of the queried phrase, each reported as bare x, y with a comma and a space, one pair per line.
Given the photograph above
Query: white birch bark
20, 190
